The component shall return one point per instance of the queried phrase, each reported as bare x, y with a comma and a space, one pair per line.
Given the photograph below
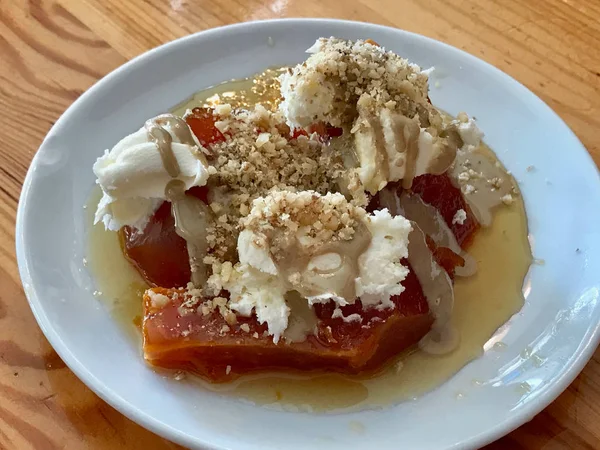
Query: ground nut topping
320, 219
258, 155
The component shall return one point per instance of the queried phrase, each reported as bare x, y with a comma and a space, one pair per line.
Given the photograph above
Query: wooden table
51, 51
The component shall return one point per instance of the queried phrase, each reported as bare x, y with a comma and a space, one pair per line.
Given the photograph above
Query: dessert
322, 231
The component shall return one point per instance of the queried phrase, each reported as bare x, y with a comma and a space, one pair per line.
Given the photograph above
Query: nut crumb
157, 300
468, 189
508, 199
459, 217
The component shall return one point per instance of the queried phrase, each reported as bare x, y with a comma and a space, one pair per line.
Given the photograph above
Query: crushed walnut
319, 219
259, 155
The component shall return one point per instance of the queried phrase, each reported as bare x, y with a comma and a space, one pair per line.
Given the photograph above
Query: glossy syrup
483, 302
118, 285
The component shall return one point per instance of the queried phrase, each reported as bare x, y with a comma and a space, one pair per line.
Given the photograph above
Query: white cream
470, 133
254, 255
322, 92
318, 89
133, 178
257, 286
253, 290
381, 271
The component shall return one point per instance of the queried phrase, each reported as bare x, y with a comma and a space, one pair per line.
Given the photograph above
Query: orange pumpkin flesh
439, 192
191, 341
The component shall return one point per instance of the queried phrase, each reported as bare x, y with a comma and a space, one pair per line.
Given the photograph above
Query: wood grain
53, 50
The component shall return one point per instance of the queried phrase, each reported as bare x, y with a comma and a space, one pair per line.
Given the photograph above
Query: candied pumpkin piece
178, 337
439, 192
202, 122
158, 253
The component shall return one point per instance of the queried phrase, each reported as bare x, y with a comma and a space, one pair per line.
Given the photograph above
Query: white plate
559, 321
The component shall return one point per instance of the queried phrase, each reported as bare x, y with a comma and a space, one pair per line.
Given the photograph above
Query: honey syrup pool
483, 302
